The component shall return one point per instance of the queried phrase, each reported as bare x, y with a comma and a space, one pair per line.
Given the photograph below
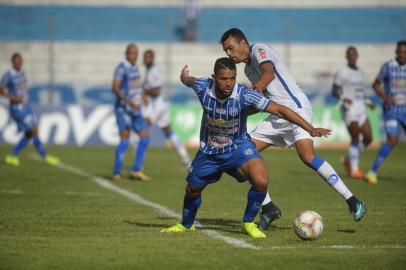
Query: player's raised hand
185, 77
184, 73
320, 132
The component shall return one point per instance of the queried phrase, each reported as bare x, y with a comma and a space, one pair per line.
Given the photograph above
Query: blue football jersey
16, 83
130, 87
224, 122
393, 76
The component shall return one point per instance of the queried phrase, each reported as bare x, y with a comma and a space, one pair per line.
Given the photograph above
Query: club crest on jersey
262, 53
233, 111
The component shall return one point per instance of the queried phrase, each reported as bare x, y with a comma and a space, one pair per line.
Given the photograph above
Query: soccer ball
308, 225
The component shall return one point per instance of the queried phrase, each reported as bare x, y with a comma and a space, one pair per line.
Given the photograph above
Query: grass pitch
54, 219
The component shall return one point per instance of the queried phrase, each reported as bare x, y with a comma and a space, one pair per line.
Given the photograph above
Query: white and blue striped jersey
224, 122
16, 83
283, 89
130, 86
393, 77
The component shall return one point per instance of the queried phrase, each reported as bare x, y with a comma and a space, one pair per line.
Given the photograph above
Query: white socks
331, 177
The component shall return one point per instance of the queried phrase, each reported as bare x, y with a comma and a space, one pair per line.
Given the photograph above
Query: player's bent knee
125, 135
192, 192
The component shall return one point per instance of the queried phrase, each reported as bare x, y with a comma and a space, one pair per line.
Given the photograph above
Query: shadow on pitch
146, 225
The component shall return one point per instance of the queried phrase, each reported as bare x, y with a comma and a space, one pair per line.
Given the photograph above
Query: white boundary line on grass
211, 233
140, 200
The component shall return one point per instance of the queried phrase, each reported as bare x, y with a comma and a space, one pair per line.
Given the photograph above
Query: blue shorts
207, 169
23, 116
393, 124
126, 120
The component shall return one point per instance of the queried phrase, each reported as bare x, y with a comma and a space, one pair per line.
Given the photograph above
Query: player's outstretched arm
185, 78
286, 113
266, 78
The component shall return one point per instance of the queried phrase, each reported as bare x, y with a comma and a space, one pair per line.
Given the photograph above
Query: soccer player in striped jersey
393, 77
225, 145
270, 76
13, 86
349, 88
128, 90
157, 110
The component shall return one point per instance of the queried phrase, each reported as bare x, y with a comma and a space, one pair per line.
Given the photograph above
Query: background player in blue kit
14, 87
128, 89
225, 145
393, 76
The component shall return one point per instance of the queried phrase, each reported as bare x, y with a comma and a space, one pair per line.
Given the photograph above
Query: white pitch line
160, 208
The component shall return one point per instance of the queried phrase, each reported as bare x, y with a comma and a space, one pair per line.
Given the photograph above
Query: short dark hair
224, 63
14, 56
149, 51
351, 48
235, 33
129, 46
401, 43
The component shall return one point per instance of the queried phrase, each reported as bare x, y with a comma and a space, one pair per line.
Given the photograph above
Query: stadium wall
73, 50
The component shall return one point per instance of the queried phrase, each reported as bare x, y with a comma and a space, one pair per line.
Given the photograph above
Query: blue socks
39, 146
190, 206
20, 146
141, 153
255, 199
382, 154
119, 157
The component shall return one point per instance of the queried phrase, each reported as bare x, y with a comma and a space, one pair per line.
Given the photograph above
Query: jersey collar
14, 72
212, 92
127, 63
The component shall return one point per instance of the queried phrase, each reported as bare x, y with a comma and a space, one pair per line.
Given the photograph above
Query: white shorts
356, 114
158, 111
280, 132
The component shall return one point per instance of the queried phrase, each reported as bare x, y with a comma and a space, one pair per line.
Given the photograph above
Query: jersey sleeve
201, 85
256, 100
119, 72
263, 54
383, 73
5, 80
339, 78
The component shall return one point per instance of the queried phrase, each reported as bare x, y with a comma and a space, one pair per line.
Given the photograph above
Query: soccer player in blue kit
393, 76
225, 145
13, 86
128, 89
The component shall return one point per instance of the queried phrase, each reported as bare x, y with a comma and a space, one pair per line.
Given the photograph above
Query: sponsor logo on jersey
220, 141
262, 53
221, 111
222, 122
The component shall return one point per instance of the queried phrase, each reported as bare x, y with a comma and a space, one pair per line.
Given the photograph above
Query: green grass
63, 221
